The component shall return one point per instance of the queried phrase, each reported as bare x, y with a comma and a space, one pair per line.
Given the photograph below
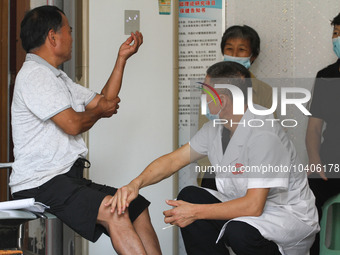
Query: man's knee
190, 194
107, 218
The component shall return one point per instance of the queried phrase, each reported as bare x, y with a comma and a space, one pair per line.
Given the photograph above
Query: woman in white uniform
263, 204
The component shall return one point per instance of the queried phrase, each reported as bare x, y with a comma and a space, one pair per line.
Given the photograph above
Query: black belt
77, 170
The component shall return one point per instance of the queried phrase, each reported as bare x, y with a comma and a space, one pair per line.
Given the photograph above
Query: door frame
12, 57
4, 7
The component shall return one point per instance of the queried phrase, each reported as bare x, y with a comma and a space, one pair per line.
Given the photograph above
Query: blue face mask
212, 116
336, 46
245, 61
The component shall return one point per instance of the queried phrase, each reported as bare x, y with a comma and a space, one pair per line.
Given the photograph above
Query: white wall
122, 146
296, 42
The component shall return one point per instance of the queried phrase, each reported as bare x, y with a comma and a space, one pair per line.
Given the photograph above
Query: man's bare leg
123, 236
147, 233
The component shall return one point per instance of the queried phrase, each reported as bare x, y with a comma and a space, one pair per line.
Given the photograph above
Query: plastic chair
330, 227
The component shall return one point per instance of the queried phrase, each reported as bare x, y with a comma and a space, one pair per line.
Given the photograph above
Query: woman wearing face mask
241, 44
325, 108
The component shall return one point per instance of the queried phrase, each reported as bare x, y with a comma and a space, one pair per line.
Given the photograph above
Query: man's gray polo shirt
41, 149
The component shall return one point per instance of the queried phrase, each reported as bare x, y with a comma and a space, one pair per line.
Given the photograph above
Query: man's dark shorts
76, 201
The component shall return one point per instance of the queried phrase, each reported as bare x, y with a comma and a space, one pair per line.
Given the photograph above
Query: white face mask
245, 61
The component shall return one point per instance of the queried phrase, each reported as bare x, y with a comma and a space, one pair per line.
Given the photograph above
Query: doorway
12, 57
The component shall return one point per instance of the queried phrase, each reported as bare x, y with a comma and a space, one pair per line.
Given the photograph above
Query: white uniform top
263, 157
41, 149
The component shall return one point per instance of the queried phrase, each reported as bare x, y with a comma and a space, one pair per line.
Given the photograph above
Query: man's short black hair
36, 24
336, 20
244, 32
229, 72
